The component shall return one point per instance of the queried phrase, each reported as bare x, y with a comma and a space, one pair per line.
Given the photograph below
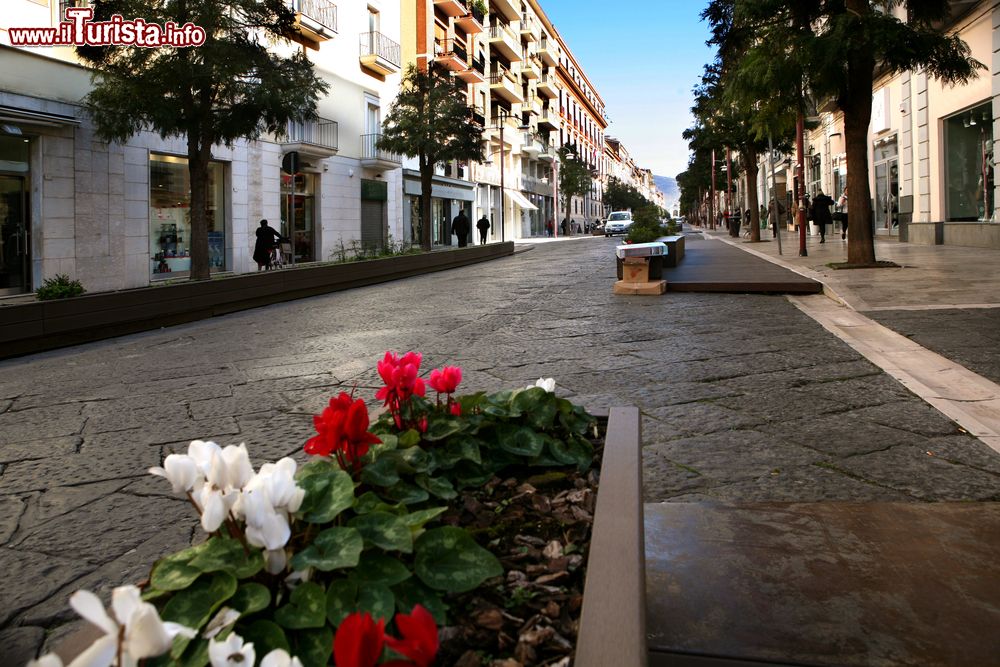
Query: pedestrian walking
807, 205
483, 226
460, 228
550, 227
774, 212
821, 213
842, 211
267, 238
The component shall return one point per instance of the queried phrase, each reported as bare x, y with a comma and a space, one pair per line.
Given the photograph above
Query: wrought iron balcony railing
320, 132
371, 151
377, 44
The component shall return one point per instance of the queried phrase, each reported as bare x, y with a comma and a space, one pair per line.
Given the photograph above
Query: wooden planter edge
613, 620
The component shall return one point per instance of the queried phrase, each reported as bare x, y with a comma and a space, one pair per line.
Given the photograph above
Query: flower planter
613, 621
612, 628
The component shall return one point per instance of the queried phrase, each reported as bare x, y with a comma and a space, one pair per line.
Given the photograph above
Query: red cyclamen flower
420, 637
456, 409
446, 380
342, 428
359, 640
400, 377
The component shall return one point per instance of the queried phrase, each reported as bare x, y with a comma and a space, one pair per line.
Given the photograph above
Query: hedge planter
44, 325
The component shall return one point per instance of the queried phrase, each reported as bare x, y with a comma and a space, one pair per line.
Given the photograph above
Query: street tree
232, 87
575, 177
833, 49
431, 120
622, 196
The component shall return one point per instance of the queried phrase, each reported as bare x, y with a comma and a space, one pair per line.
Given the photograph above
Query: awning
520, 200
15, 115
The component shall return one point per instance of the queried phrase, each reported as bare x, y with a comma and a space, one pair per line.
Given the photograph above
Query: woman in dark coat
267, 237
821, 213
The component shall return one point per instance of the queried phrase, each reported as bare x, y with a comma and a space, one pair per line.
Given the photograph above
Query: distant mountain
668, 186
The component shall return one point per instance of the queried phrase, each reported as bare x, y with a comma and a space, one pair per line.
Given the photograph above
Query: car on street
618, 223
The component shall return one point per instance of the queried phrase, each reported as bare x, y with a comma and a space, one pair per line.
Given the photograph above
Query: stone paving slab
874, 583
723, 381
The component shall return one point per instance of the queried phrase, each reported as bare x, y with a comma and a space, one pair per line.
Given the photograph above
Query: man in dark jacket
821, 213
460, 228
483, 226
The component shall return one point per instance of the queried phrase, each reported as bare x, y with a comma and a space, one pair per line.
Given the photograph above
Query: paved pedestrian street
744, 398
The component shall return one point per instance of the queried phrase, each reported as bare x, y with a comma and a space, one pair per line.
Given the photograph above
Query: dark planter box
656, 264
613, 619
44, 325
675, 250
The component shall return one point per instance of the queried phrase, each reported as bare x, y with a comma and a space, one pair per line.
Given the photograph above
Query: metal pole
503, 194
774, 198
711, 202
555, 191
729, 188
800, 123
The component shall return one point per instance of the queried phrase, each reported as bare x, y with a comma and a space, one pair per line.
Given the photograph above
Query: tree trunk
857, 106
199, 155
426, 189
750, 167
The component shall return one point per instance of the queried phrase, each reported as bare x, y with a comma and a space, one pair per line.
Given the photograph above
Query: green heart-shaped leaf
306, 608
384, 530
519, 440
265, 635
327, 495
249, 598
375, 568
438, 486
224, 554
448, 559
333, 548
341, 600
312, 647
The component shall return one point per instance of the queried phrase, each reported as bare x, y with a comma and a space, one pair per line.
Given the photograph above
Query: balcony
530, 104
312, 138
472, 22
530, 145
478, 115
375, 158
315, 21
548, 119
531, 68
451, 55
379, 53
547, 85
548, 51
503, 84
504, 41
509, 9
451, 7
529, 29
548, 153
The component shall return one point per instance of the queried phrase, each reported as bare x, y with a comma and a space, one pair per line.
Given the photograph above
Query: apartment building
581, 110
115, 216
932, 167
450, 34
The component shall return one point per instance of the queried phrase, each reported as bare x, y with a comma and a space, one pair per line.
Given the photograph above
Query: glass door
15, 240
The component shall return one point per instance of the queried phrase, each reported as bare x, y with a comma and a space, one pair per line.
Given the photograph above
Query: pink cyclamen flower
400, 375
445, 380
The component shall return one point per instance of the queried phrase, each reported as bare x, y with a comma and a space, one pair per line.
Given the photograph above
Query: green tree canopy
575, 177
833, 49
431, 120
232, 87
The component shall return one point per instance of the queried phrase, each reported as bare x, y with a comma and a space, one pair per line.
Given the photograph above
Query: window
170, 217
968, 166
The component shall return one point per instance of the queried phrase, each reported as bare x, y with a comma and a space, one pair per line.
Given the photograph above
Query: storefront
15, 225
448, 197
969, 164
298, 193
170, 217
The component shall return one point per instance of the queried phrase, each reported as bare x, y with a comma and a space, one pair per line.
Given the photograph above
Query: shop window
969, 165
170, 217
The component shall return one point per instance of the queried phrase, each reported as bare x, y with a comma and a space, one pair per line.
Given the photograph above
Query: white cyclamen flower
279, 658
214, 505
231, 652
181, 471
239, 470
266, 527
202, 452
277, 481
53, 660
145, 635
548, 384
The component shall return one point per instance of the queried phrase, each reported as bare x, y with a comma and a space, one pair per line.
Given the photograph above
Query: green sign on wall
374, 190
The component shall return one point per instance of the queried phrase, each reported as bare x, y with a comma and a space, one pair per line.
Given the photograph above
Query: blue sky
644, 57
